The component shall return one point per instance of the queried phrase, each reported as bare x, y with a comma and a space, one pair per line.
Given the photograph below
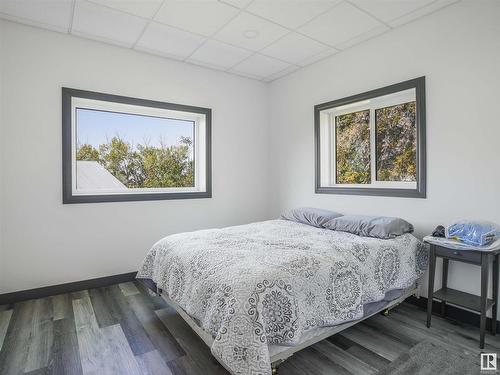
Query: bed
257, 293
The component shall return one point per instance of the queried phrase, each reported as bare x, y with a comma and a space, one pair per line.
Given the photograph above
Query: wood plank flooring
122, 329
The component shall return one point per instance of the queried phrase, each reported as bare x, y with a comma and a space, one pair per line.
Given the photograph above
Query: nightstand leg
430, 291
495, 296
444, 284
484, 295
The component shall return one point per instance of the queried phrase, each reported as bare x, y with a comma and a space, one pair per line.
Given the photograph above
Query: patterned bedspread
268, 282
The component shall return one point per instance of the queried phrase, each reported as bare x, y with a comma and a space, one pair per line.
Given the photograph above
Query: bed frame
280, 357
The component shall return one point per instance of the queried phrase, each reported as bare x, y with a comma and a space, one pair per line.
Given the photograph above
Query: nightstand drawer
461, 255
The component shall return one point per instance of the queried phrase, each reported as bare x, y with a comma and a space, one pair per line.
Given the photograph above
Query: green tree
144, 166
87, 152
120, 159
168, 166
353, 148
396, 143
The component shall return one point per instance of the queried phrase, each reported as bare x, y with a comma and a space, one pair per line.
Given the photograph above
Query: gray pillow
371, 226
316, 217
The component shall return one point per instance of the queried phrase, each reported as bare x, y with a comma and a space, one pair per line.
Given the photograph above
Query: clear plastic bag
476, 233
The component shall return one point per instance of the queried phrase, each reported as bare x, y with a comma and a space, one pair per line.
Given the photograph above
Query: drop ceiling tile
290, 69
432, 7
339, 25
294, 48
205, 65
237, 3
218, 54
379, 30
98, 22
50, 14
246, 75
200, 17
141, 8
264, 32
290, 13
260, 66
388, 10
320, 56
168, 41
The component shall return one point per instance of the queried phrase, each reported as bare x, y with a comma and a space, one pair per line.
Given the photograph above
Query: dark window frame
421, 190
67, 163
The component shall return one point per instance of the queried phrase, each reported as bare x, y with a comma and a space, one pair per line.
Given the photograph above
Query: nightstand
472, 302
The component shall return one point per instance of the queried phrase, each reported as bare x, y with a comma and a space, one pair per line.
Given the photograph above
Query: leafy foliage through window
396, 143
139, 160
353, 148
373, 140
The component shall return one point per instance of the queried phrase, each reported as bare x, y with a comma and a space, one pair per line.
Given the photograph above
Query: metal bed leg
387, 311
275, 365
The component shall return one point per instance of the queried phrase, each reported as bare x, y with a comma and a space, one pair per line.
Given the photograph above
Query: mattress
269, 283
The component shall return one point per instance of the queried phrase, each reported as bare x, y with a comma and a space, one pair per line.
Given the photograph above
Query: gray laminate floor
123, 330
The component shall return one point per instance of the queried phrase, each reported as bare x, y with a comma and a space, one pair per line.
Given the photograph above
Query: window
373, 143
122, 149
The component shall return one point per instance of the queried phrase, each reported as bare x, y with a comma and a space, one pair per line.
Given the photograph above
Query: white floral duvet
268, 282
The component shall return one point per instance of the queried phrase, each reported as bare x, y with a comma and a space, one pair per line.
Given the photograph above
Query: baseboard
452, 312
76, 286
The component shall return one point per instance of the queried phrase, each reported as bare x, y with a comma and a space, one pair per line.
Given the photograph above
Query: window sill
383, 192
134, 197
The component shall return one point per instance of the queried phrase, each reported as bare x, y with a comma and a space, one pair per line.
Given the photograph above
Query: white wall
458, 50
46, 242
2, 263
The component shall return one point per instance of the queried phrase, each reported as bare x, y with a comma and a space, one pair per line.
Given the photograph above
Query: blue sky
97, 127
